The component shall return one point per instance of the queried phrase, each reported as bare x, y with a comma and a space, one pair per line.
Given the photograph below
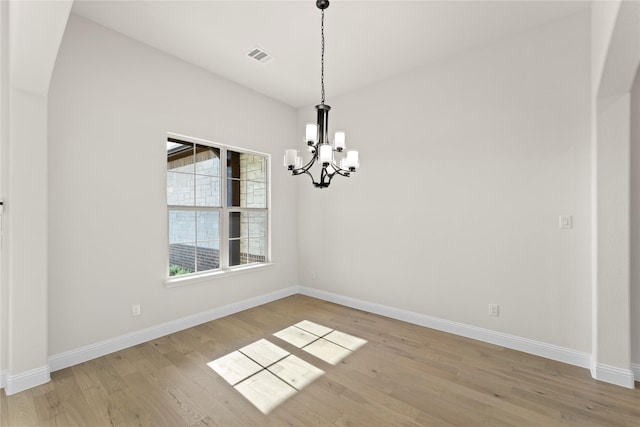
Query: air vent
259, 55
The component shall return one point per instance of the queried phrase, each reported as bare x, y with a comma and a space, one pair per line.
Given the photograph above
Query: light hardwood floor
405, 375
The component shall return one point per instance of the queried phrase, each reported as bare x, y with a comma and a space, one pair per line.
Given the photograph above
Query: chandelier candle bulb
326, 154
352, 161
290, 157
339, 141
311, 133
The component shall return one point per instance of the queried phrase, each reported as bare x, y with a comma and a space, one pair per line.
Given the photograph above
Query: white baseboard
614, 375
3, 378
25, 380
92, 351
549, 351
635, 367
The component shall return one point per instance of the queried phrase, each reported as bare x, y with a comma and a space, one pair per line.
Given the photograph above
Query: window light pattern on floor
320, 341
265, 374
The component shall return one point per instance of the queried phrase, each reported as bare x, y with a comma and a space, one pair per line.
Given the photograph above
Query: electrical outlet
494, 310
313, 275
566, 221
135, 310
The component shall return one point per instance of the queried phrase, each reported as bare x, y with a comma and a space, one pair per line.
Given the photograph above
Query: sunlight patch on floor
320, 341
267, 375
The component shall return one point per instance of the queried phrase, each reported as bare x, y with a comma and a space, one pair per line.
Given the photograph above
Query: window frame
224, 268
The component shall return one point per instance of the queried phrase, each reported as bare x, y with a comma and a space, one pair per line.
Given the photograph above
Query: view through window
217, 209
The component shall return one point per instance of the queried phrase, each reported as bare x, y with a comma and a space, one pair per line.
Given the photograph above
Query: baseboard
635, 367
549, 351
3, 378
614, 375
92, 351
25, 380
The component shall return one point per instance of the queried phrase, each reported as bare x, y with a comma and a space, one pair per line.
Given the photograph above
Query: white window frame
224, 270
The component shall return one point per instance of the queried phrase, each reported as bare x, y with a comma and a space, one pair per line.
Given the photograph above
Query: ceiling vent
259, 55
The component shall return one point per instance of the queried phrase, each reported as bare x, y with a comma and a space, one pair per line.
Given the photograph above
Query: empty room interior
238, 213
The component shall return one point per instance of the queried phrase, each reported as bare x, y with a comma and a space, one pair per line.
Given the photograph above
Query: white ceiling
366, 41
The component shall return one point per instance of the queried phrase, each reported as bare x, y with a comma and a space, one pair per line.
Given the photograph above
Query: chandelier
323, 151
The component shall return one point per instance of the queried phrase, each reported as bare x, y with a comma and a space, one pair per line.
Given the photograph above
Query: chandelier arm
312, 179
306, 167
323, 177
305, 170
320, 184
327, 179
330, 178
341, 172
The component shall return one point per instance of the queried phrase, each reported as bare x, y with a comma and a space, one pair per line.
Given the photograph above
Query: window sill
175, 281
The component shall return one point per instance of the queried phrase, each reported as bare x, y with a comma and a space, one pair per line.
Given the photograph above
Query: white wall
635, 221
111, 102
4, 163
27, 206
613, 233
32, 32
603, 19
466, 166
615, 39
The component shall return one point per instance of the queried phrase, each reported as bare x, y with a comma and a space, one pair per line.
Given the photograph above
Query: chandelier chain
322, 55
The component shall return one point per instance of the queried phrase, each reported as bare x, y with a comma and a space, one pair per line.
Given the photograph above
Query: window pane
234, 225
234, 252
233, 192
208, 226
207, 191
247, 234
246, 194
247, 176
233, 164
257, 225
213, 244
182, 226
244, 225
180, 157
253, 167
247, 225
180, 188
208, 256
255, 196
182, 233
208, 251
207, 160
181, 259
256, 252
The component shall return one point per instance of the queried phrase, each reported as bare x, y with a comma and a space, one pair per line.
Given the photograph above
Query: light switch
566, 221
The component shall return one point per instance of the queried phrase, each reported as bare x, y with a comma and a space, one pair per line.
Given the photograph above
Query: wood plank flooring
405, 375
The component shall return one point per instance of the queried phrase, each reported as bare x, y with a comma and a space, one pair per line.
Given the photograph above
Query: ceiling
366, 41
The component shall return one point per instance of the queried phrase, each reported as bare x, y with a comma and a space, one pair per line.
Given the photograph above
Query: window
217, 210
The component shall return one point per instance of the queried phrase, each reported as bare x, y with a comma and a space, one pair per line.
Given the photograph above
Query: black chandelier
317, 137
